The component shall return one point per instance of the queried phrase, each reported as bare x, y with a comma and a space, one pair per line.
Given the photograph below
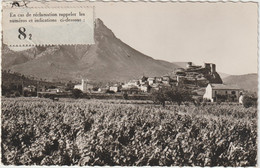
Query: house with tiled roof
222, 92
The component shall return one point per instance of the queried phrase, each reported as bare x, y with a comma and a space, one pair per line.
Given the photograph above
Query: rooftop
225, 87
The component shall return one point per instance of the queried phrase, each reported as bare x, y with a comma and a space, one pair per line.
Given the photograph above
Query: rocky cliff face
109, 59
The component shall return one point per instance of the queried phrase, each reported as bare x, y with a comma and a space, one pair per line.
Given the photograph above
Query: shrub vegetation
174, 95
249, 101
79, 132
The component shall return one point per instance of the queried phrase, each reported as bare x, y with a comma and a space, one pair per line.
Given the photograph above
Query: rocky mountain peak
109, 59
102, 30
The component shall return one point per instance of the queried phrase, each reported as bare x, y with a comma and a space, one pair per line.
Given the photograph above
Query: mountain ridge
223, 75
109, 59
248, 82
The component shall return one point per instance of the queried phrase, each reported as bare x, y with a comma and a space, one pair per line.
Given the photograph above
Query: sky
220, 33
224, 33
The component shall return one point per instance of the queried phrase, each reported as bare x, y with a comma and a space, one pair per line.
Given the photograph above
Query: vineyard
37, 131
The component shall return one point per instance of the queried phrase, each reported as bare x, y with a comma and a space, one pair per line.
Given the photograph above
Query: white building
143, 80
114, 88
158, 79
240, 100
103, 90
150, 80
222, 92
84, 86
55, 90
134, 82
131, 84
144, 88
30, 88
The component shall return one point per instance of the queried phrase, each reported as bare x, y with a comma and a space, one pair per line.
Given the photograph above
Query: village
203, 80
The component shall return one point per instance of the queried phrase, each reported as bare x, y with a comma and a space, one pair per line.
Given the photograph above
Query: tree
125, 96
159, 97
176, 94
95, 88
110, 91
77, 93
69, 86
249, 101
52, 87
5, 90
17, 94
179, 95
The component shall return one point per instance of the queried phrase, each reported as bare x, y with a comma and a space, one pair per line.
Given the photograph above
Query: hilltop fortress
196, 75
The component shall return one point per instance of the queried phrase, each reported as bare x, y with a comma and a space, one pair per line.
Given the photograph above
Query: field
119, 132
